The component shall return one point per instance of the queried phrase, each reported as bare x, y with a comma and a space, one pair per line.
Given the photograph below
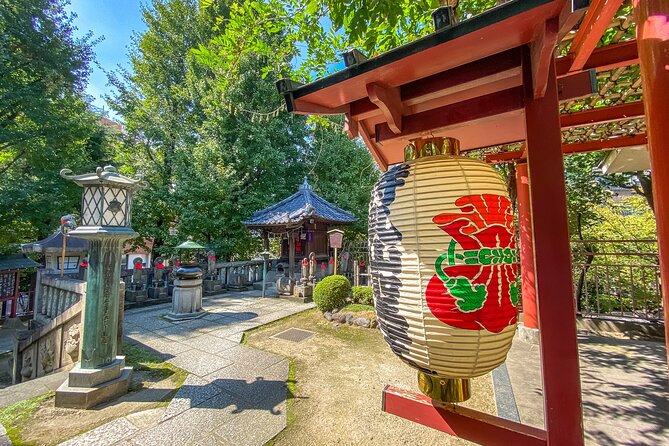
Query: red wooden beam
461, 112
603, 58
460, 421
579, 85
577, 147
597, 19
602, 115
468, 76
553, 274
605, 144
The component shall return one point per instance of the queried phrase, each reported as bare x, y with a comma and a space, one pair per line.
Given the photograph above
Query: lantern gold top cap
104, 175
432, 146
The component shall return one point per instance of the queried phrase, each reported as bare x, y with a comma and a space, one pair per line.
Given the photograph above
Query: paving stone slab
253, 427
190, 424
166, 347
176, 333
194, 391
210, 344
199, 362
252, 357
259, 388
146, 418
105, 435
149, 322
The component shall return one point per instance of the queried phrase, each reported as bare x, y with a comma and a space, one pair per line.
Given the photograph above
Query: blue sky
115, 20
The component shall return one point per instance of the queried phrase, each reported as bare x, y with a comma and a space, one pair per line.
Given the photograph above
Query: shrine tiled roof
55, 242
16, 261
298, 207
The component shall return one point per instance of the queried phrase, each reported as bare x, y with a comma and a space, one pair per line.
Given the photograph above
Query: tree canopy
45, 122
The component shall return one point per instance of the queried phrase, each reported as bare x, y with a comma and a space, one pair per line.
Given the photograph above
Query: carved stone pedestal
136, 296
211, 286
86, 388
303, 293
186, 300
285, 286
158, 293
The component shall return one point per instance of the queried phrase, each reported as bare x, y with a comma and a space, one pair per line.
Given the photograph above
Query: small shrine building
301, 221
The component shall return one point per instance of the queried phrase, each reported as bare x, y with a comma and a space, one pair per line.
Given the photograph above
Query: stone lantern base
186, 300
86, 388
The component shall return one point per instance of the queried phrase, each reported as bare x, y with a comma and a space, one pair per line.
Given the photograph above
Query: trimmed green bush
362, 295
332, 292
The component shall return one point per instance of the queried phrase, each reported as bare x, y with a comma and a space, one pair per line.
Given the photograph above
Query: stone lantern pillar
105, 222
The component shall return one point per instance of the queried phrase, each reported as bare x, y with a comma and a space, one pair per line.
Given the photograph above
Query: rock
339, 317
336, 310
328, 315
361, 321
373, 323
349, 319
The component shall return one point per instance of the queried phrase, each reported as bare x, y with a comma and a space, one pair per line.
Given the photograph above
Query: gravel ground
340, 374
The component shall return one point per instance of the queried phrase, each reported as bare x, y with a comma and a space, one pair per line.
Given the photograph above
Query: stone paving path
624, 384
235, 395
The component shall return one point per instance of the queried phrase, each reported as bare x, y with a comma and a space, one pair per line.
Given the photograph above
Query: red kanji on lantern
475, 286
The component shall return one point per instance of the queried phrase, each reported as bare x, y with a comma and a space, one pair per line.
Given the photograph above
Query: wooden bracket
390, 103
541, 52
350, 126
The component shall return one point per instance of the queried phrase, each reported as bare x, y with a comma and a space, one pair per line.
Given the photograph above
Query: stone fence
54, 295
239, 275
55, 343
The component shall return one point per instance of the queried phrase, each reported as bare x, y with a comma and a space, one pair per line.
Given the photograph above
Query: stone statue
345, 261
211, 264
137, 273
305, 271
158, 271
312, 267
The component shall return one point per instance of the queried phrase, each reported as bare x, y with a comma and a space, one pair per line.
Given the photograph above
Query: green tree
45, 123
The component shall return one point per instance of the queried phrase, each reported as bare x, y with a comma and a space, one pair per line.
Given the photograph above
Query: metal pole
651, 19
264, 276
335, 262
62, 255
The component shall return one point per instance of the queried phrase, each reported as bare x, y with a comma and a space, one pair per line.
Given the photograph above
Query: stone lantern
105, 222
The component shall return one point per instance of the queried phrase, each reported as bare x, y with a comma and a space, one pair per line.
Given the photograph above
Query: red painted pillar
652, 18
526, 246
552, 266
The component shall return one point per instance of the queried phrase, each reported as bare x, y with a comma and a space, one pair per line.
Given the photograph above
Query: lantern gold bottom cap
446, 390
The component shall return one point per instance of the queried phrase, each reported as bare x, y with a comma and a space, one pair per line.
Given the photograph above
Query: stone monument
100, 375
211, 283
304, 290
136, 292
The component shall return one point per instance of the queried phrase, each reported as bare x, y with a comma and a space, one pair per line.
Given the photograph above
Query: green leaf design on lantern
513, 293
468, 298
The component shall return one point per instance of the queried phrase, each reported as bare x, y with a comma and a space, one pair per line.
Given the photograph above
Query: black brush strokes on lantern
386, 261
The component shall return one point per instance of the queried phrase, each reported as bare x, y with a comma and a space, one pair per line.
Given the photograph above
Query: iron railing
617, 278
